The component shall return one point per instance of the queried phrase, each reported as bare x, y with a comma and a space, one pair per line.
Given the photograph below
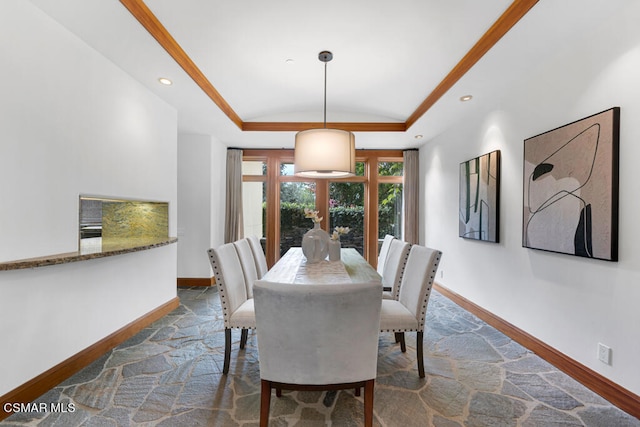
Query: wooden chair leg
357, 392
403, 346
278, 392
419, 338
243, 337
227, 350
368, 403
265, 402
397, 334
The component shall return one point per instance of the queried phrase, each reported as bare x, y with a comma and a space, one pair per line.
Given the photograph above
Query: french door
370, 203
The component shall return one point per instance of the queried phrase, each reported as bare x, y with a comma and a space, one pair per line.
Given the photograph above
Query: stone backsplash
134, 220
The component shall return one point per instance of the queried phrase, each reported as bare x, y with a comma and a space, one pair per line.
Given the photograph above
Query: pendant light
325, 153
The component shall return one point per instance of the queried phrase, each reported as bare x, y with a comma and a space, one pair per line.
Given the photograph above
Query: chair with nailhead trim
248, 263
237, 309
408, 313
394, 268
384, 251
258, 254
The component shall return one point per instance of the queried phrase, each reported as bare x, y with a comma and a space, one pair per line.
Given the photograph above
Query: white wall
73, 123
194, 209
570, 303
201, 200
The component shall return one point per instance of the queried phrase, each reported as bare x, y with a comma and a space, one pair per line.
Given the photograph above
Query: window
294, 197
370, 203
254, 198
390, 199
346, 209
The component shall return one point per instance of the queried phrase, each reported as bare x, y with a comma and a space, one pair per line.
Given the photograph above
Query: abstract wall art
571, 188
479, 198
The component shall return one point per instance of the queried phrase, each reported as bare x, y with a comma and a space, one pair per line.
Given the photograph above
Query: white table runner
293, 268
323, 272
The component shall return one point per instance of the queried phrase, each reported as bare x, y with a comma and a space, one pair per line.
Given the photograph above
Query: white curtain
411, 195
233, 224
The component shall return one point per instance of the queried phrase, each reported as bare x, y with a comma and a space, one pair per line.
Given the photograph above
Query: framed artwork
571, 188
480, 197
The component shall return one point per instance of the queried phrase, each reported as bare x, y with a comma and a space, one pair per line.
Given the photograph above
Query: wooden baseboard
196, 281
614, 393
34, 388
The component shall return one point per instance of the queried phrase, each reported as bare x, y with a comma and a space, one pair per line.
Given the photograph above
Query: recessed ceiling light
289, 61
466, 98
418, 136
165, 81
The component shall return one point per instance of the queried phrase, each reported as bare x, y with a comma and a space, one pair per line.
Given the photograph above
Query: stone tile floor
170, 374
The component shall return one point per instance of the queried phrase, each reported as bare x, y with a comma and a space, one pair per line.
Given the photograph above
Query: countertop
89, 252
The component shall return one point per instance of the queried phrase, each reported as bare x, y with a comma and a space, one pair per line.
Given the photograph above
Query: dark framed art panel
479, 213
571, 188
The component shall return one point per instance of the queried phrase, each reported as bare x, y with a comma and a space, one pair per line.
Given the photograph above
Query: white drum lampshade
325, 153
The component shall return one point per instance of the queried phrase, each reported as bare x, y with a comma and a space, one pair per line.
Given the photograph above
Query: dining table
293, 268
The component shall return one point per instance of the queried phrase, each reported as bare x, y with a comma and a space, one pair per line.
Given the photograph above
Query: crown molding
505, 22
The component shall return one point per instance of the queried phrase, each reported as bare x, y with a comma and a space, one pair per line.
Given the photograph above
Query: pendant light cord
325, 95
325, 56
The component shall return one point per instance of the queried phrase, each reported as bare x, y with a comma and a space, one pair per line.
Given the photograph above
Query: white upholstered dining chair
237, 309
258, 254
248, 263
384, 251
408, 313
317, 337
394, 268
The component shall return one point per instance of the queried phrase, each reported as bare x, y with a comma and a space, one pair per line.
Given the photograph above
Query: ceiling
399, 68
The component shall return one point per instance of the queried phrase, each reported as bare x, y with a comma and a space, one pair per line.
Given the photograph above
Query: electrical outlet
604, 353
